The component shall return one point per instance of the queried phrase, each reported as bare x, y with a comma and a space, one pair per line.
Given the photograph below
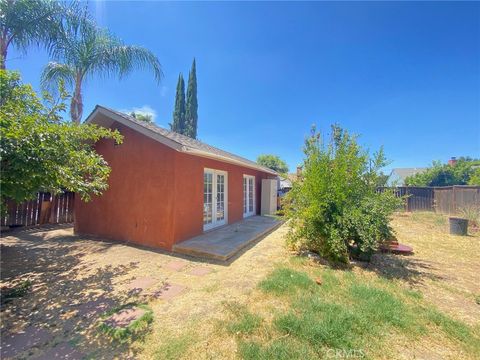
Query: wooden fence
45, 209
445, 199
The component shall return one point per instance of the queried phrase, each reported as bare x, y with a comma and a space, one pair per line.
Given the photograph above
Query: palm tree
28, 22
84, 50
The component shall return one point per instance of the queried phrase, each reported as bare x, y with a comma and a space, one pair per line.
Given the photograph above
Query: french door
248, 195
215, 192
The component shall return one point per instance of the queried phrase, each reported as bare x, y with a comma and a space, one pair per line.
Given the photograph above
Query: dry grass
221, 310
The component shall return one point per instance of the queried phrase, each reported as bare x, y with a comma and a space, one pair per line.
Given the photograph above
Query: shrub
335, 209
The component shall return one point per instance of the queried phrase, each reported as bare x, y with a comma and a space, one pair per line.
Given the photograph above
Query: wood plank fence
45, 209
445, 199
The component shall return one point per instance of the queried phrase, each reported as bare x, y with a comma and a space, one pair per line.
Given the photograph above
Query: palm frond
53, 72
114, 57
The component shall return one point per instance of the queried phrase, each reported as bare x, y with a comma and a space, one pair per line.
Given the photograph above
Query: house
165, 187
398, 175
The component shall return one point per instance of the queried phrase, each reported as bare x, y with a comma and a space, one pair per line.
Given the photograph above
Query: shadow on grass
66, 297
408, 268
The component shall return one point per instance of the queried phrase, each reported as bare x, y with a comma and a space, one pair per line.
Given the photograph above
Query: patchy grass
243, 322
349, 312
175, 347
17, 291
134, 330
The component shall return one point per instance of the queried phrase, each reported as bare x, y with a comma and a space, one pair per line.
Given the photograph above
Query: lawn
420, 306
267, 304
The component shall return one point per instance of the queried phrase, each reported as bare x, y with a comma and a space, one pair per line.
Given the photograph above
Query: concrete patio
226, 241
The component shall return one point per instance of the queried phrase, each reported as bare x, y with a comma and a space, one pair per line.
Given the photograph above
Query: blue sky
403, 75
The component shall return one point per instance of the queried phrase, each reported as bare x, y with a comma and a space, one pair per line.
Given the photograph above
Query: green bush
334, 208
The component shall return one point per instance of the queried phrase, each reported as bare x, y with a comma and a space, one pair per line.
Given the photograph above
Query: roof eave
91, 119
208, 155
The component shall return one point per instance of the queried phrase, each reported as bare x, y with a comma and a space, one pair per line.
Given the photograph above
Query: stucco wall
138, 206
189, 192
155, 195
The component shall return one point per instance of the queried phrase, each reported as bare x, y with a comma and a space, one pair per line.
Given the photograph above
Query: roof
171, 139
400, 174
287, 180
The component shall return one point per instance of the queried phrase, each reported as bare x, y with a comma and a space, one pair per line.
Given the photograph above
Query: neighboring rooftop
398, 175
172, 139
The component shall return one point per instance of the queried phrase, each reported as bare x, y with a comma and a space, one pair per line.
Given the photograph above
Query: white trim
215, 223
254, 209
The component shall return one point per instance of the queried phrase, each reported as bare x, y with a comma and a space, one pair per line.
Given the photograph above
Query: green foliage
135, 329
191, 109
39, 151
273, 162
85, 50
142, 117
335, 209
178, 122
29, 22
465, 171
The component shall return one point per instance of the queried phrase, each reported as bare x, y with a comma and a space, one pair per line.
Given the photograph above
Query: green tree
273, 162
445, 174
40, 151
142, 117
178, 123
29, 22
84, 50
334, 209
191, 109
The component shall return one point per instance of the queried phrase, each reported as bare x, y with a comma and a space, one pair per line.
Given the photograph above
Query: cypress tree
191, 115
178, 123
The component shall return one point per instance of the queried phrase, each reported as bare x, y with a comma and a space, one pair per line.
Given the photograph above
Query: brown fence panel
445, 199
39, 210
451, 199
419, 199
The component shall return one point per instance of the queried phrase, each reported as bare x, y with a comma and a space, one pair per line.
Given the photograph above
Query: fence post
454, 199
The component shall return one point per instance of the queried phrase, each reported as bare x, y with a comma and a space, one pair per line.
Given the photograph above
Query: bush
335, 209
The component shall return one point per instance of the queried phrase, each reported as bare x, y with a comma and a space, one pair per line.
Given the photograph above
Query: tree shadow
408, 268
67, 296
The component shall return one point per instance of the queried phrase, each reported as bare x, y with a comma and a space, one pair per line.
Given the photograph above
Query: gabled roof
171, 139
398, 175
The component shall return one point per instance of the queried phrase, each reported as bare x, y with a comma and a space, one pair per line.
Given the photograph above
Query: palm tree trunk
76, 105
3, 53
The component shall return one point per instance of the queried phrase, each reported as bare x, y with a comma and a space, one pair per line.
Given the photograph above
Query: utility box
269, 197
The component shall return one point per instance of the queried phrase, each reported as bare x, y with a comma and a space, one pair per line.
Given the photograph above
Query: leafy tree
334, 209
461, 173
178, 123
191, 111
142, 117
475, 177
84, 50
273, 162
39, 151
29, 22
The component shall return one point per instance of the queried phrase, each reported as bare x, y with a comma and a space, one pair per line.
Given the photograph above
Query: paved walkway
225, 242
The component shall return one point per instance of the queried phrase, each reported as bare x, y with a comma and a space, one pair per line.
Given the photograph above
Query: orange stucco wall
155, 195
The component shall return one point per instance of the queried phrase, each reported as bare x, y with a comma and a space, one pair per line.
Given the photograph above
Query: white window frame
253, 212
215, 223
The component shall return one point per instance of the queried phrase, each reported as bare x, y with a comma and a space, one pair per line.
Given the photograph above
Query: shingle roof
186, 144
398, 175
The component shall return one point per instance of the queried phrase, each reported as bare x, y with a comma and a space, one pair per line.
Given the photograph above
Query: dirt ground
76, 279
